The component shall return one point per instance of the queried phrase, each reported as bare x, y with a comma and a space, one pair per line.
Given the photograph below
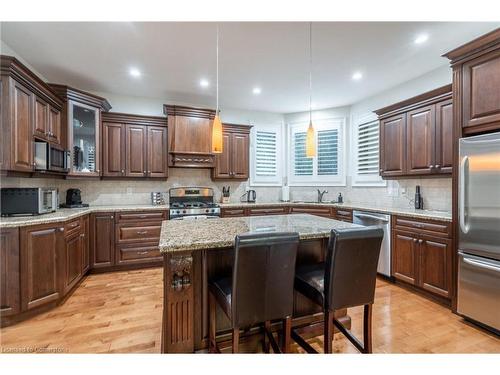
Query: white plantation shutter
303, 166
265, 153
368, 149
328, 152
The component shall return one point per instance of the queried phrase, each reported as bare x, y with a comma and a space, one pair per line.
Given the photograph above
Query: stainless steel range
192, 203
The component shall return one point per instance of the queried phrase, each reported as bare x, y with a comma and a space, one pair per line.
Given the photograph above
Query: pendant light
310, 138
217, 125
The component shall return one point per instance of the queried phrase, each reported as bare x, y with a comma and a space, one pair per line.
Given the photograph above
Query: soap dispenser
340, 199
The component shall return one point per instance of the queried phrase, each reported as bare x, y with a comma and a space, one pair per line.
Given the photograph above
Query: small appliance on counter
226, 194
74, 199
419, 200
250, 196
157, 198
28, 201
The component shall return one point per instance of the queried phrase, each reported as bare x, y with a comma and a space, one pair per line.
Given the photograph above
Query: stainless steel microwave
28, 201
51, 158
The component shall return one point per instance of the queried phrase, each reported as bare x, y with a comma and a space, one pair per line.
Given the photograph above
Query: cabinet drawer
138, 232
138, 254
342, 214
267, 211
432, 227
318, 211
142, 215
233, 212
72, 227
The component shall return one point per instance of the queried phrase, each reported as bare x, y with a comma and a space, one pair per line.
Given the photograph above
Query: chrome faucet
320, 195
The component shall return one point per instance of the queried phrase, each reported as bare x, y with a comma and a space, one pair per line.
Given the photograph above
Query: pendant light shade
310, 142
217, 142
310, 138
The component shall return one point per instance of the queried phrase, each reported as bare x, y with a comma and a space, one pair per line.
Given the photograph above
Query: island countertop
188, 235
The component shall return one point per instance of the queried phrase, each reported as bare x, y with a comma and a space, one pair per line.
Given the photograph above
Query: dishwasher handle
373, 217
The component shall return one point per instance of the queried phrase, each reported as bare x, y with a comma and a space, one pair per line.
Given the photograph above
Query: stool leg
212, 344
367, 328
236, 339
328, 332
267, 327
287, 333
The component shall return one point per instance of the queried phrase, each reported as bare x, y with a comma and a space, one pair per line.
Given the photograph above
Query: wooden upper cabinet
9, 270
113, 149
233, 162
443, 161
135, 150
42, 265
420, 140
22, 128
55, 129
157, 155
42, 127
393, 146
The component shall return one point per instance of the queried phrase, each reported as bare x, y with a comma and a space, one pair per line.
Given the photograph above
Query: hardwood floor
121, 312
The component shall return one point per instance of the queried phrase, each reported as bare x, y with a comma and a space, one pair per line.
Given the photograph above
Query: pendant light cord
217, 73
310, 73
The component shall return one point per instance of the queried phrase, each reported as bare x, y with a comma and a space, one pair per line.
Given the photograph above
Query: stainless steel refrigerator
479, 230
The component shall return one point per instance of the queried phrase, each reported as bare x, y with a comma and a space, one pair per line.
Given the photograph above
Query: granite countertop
64, 214
405, 211
187, 235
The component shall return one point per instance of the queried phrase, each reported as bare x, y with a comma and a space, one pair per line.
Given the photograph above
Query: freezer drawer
479, 289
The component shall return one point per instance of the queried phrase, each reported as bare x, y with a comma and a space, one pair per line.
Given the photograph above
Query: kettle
251, 196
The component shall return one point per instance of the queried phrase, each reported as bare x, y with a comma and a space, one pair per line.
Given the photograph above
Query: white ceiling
173, 57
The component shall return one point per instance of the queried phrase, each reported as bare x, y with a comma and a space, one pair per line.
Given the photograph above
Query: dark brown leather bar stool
260, 289
346, 279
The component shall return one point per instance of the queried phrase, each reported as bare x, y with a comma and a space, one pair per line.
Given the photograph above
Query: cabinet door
85, 245
9, 271
435, 265
55, 126
113, 149
157, 152
135, 150
481, 93
392, 146
22, 127
420, 140
240, 144
102, 240
41, 265
73, 256
41, 127
444, 137
223, 160
404, 257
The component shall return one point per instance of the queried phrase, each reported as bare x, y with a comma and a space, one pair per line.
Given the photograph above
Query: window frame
266, 180
363, 180
315, 179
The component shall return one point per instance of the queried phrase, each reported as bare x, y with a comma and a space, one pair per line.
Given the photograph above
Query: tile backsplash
397, 193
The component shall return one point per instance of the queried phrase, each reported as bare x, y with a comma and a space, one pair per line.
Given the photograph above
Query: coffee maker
74, 199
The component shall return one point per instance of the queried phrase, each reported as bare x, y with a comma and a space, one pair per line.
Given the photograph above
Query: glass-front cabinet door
84, 123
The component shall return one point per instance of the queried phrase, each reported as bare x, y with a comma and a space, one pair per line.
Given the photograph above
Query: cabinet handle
143, 232
61, 229
142, 252
82, 235
438, 166
431, 166
123, 171
415, 240
111, 217
420, 241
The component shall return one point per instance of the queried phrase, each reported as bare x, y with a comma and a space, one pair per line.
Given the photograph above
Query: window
327, 167
366, 153
265, 156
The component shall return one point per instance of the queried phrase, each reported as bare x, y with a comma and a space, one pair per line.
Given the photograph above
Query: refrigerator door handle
481, 264
461, 208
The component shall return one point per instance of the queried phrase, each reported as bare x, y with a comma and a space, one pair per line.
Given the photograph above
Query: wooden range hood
189, 136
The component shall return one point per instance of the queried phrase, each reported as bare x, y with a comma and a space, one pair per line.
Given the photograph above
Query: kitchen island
194, 251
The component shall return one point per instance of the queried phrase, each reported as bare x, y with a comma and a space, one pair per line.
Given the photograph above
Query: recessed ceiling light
357, 76
422, 38
256, 90
204, 83
134, 72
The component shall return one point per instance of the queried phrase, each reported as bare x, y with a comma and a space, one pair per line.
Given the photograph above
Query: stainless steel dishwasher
383, 221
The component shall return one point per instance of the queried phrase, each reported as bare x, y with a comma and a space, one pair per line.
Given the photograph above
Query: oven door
195, 217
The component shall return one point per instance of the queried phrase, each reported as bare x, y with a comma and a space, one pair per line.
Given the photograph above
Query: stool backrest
351, 266
263, 275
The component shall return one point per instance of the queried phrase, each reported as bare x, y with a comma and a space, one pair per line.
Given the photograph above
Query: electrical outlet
403, 191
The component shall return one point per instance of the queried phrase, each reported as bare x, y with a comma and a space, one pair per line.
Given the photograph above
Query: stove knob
177, 212
183, 211
212, 210
206, 210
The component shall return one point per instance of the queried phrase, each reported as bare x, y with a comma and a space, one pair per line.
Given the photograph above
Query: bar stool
260, 289
346, 279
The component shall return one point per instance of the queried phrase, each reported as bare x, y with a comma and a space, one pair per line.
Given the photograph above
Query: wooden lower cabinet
342, 214
138, 253
102, 239
318, 211
9, 270
73, 254
435, 265
42, 264
86, 244
404, 256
